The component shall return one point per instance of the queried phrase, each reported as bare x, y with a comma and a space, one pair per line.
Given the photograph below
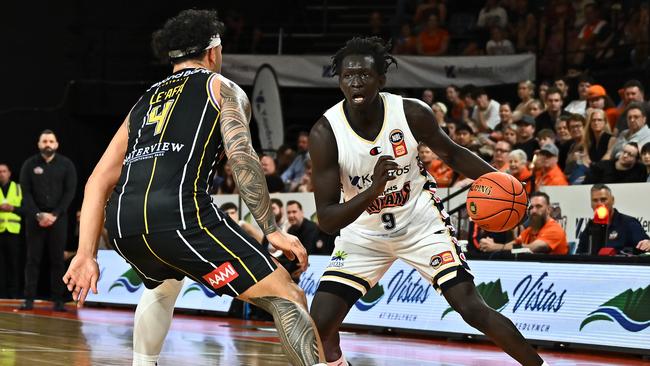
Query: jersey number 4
159, 115
389, 221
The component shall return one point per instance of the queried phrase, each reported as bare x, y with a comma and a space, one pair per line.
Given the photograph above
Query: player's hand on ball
384, 172
290, 246
81, 277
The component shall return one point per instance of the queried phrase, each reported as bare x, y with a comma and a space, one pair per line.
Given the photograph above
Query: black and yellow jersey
174, 145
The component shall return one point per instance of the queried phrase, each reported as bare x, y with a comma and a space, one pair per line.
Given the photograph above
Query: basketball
496, 202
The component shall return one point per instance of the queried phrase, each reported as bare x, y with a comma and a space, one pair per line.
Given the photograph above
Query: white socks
153, 317
340, 362
144, 360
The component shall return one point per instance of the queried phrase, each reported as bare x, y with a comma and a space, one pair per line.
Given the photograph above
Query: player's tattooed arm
246, 168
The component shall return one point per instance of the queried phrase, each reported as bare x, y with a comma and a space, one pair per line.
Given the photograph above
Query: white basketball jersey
407, 200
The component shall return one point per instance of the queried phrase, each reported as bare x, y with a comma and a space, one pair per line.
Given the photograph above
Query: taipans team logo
338, 258
493, 295
200, 287
392, 199
371, 298
397, 140
630, 309
128, 280
375, 151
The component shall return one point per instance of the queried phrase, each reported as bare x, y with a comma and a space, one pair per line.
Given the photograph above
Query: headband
215, 41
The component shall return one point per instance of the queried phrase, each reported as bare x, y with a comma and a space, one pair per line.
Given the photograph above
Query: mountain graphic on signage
493, 295
128, 279
371, 298
630, 309
199, 287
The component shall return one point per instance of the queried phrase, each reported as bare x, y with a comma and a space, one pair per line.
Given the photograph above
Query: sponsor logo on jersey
399, 146
365, 180
152, 151
221, 275
441, 259
375, 151
393, 199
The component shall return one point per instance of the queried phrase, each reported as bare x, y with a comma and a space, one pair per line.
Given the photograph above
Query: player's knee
473, 313
296, 294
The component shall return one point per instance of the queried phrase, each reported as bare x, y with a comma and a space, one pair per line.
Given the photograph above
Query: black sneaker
27, 305
59, 306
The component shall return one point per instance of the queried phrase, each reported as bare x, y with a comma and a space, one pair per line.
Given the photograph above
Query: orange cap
596, 91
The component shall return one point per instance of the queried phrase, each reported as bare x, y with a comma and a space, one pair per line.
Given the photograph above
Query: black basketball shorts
222, 257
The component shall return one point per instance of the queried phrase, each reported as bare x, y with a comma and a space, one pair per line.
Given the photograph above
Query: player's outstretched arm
323, 151
83, 273
246, 168
425, 129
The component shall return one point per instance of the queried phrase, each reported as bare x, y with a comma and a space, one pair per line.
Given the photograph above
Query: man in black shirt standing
48, 181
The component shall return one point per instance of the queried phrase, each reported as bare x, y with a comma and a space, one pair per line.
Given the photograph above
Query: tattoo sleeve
300, 341
246, 168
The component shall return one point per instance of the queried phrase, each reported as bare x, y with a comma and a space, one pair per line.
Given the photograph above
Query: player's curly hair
373, 46
190, 31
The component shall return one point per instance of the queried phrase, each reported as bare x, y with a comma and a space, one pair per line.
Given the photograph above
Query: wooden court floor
93, 336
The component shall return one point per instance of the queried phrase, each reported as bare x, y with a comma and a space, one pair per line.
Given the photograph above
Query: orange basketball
497, 202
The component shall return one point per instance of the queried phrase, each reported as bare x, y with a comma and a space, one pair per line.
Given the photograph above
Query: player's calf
295, 328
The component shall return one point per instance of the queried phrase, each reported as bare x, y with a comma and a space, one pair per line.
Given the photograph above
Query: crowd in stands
546, 139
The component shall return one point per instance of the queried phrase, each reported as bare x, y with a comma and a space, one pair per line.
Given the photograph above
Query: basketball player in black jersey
160, 218
361, 68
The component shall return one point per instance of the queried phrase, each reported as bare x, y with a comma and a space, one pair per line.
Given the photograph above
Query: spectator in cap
597, 98
637, 130
526, 135
549, 173
625, 169
579, 106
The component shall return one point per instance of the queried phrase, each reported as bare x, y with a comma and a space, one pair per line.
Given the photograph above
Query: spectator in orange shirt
549, 173
440, 171
433, 40
518, 168
406, 43
543, 235
457, 104
500, 158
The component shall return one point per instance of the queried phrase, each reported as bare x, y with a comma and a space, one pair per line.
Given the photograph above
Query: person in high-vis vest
11, 197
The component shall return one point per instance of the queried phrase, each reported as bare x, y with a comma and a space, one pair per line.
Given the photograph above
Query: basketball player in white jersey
367, 144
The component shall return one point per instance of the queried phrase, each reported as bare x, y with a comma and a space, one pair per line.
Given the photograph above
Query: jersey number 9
389, 221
